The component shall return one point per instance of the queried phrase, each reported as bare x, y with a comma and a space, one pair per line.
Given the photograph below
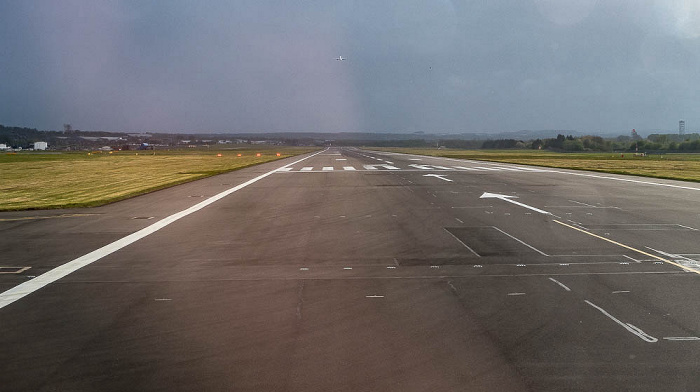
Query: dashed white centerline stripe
68, 268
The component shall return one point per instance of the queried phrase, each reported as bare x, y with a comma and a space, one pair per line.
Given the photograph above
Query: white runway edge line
61, 271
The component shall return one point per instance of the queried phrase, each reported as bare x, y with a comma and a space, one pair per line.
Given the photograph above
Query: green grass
685, 167
82, 179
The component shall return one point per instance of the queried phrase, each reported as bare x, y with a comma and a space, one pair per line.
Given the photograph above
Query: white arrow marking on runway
437, 176
509, 199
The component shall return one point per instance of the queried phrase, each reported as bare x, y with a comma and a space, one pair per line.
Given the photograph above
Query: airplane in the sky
341, 58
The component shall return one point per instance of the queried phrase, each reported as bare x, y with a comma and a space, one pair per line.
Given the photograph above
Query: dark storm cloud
269, 66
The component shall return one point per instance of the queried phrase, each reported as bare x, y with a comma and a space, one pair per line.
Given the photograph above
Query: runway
349, 270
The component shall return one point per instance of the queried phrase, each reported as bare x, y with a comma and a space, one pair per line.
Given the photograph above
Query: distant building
3, 146
41, 146
681, 127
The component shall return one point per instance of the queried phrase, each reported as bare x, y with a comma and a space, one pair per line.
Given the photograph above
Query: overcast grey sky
433, 66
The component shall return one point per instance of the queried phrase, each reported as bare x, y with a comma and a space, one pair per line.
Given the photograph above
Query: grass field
82, 179
684, 167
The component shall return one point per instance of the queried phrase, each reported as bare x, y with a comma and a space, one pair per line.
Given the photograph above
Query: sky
436, 66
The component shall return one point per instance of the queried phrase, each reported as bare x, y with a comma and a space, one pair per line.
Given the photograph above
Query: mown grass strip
68, 180
685, 167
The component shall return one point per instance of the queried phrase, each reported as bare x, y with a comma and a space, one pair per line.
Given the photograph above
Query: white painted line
422, 167
327, 168
303, 269
631, 258
348, 168
347, 268
631, 328
459, 220
163, 299
340, 159
620, 291
688, 227
285, 169
374, 296
463, 244
414, 159
682, 338
18, 270
374, 167
487, 168
522, 242
465, 168
516, 293
509, 199
560, 284
307, 168
442, 177
68, 268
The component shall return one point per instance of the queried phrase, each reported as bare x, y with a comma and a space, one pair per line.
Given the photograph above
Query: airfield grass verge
685, 167
82, 179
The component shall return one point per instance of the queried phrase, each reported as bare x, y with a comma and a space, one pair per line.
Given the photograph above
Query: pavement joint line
630, 248
522, 242
629, 327
20, 291
560, 284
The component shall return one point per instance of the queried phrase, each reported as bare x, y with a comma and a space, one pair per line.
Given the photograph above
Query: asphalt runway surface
354, 270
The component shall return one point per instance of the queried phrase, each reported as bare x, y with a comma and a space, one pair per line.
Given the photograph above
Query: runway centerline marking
629, 247
26, 288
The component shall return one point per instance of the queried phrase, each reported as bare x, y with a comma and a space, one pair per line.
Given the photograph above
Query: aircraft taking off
340, 58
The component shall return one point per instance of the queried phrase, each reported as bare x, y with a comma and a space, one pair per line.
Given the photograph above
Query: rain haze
432, 66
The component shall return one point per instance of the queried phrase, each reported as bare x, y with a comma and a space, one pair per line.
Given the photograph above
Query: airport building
41, 145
